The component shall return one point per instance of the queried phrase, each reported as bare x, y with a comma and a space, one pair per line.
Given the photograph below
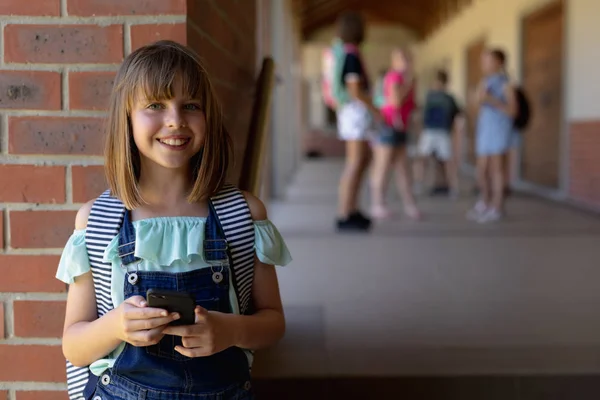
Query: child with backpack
495, 129
390, 144
169, 227
347, 90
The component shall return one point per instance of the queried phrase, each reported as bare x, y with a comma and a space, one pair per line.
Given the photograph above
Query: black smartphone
179, 302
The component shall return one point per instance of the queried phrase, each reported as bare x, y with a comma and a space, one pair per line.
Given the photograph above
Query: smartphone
179, 302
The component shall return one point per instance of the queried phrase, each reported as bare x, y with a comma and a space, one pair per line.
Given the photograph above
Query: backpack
333, 89
521, 120
378, 95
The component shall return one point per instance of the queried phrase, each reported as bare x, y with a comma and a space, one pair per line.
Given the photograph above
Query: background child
390, 149
166, 224
495, 131
355, 120
438, 121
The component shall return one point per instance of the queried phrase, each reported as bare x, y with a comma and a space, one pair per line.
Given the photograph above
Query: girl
496, 98
354, 117
168, 222
390, 148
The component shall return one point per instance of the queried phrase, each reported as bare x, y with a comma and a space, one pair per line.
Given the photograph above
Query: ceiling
421, 16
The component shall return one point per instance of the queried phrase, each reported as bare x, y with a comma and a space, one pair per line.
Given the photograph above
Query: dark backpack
523, 116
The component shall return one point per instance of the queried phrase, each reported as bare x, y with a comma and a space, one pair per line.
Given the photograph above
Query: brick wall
584, 171
57, 62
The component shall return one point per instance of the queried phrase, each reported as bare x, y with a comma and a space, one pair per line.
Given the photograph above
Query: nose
175, 118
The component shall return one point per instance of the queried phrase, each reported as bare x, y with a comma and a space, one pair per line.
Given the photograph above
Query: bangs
153, 75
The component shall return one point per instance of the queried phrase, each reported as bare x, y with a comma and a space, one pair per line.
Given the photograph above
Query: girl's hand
211, 334
140, 325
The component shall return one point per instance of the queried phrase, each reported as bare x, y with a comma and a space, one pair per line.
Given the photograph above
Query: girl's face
400, 61
489, 64
168, 133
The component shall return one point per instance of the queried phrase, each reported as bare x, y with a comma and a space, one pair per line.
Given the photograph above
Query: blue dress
494, 128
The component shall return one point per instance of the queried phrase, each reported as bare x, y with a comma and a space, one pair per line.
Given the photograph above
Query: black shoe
361, 218
355, 222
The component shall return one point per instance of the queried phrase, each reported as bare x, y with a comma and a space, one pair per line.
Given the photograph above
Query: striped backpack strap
103, 225
236, 221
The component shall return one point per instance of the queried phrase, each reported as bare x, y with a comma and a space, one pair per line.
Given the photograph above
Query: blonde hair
152, 71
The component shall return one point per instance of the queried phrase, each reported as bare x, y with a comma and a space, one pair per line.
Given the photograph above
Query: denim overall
159, 372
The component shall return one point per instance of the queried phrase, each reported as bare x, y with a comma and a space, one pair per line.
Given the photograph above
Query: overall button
97, 398
105, 379
132, 278
217, 277
247, 385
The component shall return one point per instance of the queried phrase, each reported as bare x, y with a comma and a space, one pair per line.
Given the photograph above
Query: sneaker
381, 212
355, 222
491, 215
477, 211
413, 213
361, 219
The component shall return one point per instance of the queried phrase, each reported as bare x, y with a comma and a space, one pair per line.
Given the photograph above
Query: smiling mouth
175, 143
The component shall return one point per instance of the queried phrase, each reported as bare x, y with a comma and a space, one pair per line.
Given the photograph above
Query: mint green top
173, 244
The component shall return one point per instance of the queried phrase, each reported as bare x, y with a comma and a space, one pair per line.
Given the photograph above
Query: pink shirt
390, 112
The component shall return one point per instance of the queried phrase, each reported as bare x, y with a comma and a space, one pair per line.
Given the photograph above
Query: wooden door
542, 79
474, 76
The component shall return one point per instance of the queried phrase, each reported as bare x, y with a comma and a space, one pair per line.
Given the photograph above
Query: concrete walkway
439, 297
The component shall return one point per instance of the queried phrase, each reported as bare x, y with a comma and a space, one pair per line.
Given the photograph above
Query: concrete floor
439, 297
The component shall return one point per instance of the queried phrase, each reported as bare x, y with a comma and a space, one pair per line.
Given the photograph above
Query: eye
192, 107
154, 106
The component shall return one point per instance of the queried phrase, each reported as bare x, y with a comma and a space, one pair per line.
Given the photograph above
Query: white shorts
354, 121
436, 141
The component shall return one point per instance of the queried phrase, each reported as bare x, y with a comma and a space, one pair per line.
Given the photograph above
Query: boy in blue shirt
439, 115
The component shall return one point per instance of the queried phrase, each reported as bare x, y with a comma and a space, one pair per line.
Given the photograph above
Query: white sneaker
477, 211
491, 215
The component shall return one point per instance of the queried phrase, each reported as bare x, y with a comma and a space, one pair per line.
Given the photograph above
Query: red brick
584, 170
36, 363
90, 90
63, 43
2, 333
213, 57
88, 183
44, 395
32, 184
149, 33
88, 8
25, 273
30, 90
39, 319
41, 229
3, 395
237, 41
2, 245
241, 14
50, 8
55, 135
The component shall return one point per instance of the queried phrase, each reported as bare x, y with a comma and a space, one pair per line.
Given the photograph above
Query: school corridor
444, 297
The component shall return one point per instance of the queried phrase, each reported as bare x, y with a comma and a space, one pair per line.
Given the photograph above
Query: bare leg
380, 174
497, 178
354, 169
403, 183
482, 179
452, 176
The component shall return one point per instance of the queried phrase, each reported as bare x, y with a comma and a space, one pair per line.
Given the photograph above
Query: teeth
174, 142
